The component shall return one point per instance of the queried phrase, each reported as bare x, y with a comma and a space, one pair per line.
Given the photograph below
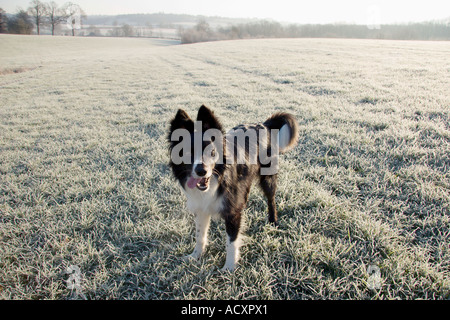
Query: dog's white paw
194, 256
228, 267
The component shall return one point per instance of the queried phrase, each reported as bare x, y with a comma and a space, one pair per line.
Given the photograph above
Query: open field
84, 179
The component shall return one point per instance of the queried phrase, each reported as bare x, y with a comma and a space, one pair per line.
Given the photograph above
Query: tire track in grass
287, 85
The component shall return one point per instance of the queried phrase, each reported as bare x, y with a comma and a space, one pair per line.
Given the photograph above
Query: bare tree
3, 21
20, 23
127, 30
56, 15
149, 29
38, 10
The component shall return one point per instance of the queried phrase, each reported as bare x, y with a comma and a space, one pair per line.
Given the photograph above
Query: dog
216, 170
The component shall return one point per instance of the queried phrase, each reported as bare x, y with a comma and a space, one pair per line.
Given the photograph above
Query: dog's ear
208, 119
181, 121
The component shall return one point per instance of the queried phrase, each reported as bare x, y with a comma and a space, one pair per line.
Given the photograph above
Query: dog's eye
213, 153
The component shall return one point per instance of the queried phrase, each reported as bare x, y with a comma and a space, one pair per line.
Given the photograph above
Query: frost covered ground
84, 179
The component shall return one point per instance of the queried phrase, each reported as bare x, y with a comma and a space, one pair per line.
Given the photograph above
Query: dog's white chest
206, 202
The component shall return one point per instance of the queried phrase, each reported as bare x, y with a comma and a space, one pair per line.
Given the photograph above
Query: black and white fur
223, 188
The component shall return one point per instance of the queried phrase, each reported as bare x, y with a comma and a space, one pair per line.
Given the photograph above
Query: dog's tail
288, 130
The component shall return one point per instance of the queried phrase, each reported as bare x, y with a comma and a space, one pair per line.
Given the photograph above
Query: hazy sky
301, 11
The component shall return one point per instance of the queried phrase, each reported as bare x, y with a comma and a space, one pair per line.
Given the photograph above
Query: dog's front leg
232, 254
232, 226
202, 222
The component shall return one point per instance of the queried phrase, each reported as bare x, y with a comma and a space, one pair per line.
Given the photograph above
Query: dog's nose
199, 170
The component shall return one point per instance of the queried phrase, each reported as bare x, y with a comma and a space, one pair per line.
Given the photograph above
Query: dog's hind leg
269, 187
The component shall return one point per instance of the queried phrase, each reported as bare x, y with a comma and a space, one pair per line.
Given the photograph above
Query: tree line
50, 15
40, 14
267, 29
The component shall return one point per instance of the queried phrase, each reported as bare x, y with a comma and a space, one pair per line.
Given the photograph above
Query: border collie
216, 170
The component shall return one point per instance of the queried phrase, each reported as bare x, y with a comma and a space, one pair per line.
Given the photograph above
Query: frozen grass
84, 178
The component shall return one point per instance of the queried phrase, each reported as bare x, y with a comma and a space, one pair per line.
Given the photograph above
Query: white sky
299, 11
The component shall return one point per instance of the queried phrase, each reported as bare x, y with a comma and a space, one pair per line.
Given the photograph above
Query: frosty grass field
84, 179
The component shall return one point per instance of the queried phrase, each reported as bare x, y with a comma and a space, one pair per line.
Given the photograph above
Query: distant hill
160, 19
197, 28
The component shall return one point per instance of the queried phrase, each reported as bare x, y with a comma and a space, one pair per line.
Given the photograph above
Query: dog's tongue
192, 182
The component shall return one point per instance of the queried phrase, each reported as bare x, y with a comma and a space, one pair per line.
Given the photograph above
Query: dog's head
195, 148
